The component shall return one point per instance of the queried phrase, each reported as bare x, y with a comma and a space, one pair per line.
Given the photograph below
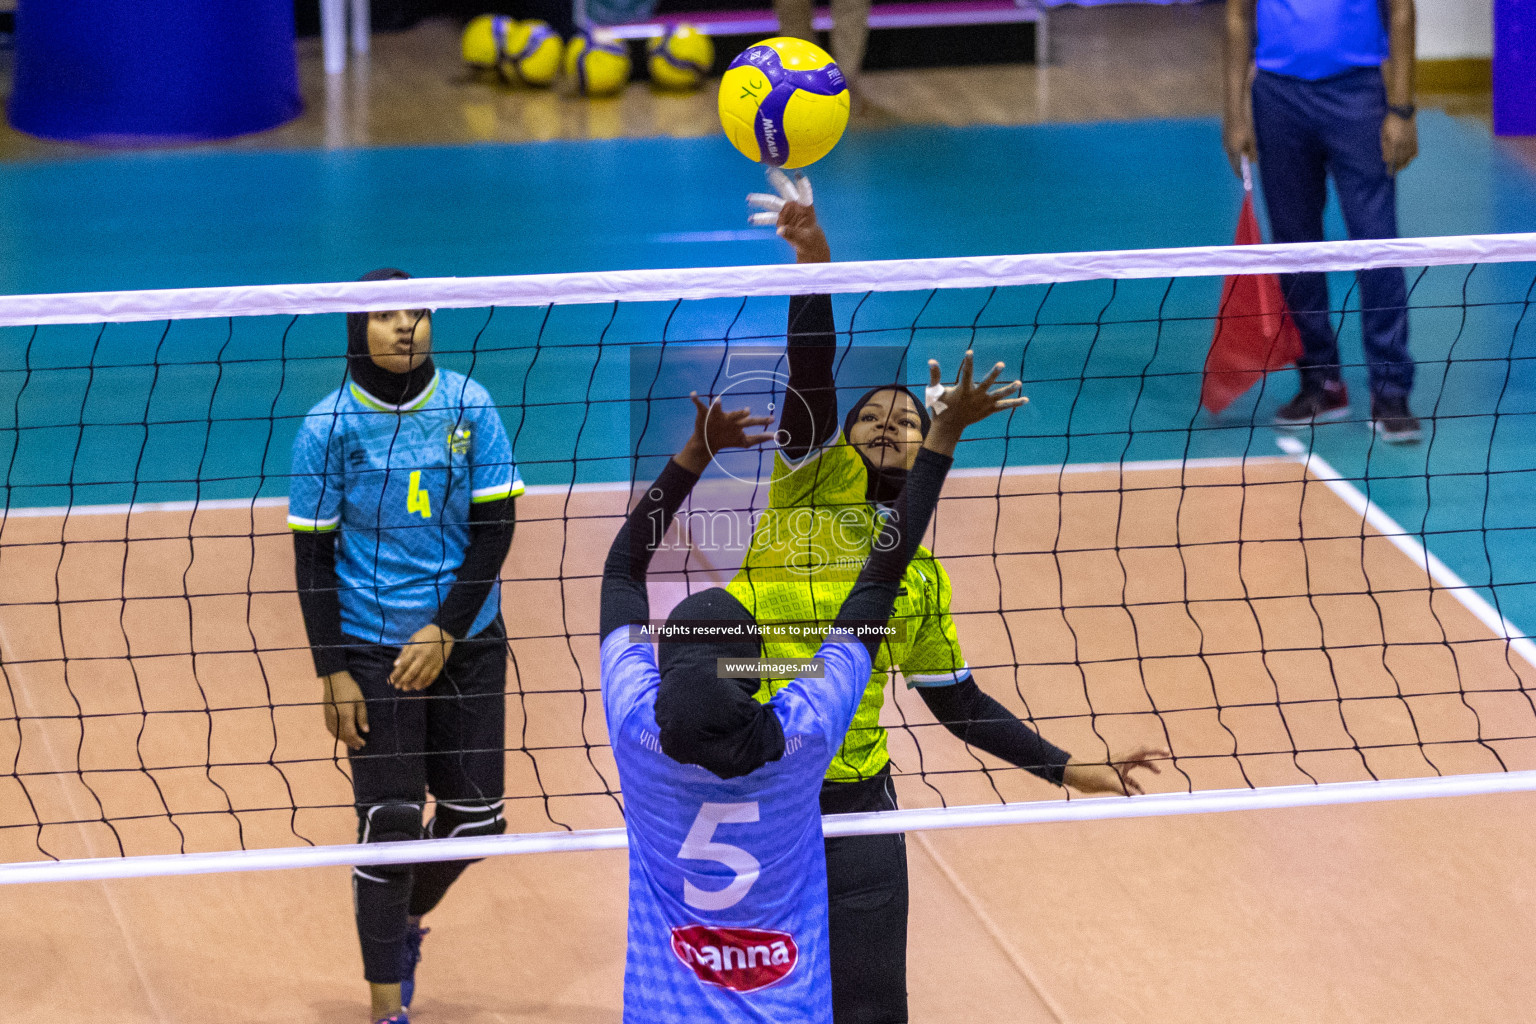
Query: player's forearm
976, 718
810, 402
874, 593
491, 525
1401, 44
1238, 64
624, 598
314, 564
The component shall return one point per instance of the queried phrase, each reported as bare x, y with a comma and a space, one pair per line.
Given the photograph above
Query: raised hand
793, 213
716, 429
964, 402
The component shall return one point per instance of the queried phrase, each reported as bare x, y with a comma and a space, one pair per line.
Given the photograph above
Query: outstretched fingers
768, 208
1000, 399
803, 185
727, 428
794, 190
741, 421
964, 380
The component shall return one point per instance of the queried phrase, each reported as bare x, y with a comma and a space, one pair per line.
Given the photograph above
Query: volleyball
598, 62
783, 102
681, 58
483, 40
531, 54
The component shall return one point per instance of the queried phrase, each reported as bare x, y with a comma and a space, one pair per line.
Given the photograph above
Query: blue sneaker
397, 1018
412, 953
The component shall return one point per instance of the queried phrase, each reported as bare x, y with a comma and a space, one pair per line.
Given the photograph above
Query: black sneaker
1317, 403
1392, 421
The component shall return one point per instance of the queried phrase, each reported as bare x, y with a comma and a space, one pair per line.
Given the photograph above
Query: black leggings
448, 740
867, 908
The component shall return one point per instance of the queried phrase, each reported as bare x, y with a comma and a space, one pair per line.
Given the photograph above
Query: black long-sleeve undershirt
978, 719
873, 596
314, 564
491, 526
809, 419
625, 600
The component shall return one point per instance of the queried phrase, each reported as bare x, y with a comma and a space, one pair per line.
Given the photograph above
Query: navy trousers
1307, 131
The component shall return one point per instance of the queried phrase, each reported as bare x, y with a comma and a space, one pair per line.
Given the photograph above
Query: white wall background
1455, 28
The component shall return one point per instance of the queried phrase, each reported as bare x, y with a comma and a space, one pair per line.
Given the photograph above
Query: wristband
1405, 112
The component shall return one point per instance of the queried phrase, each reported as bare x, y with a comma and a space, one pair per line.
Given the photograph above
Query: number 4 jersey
727, 877
398, 481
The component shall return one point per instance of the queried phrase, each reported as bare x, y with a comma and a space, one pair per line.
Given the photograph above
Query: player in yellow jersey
829, 490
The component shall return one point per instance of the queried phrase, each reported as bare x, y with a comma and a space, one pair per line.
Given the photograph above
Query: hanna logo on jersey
458, 440
740, 959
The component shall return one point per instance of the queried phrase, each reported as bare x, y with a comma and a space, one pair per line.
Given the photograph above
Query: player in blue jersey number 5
402, 510
727, 872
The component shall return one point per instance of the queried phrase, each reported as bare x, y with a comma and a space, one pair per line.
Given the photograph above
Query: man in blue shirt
1332, 94
727, 871
402, 504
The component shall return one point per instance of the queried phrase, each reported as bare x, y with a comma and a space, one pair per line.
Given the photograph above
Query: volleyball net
1305, 617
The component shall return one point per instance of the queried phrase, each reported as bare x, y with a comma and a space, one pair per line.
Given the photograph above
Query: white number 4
700, 845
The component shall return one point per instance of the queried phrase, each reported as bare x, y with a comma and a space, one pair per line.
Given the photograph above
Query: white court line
145, 507
1004, 941
921, 819
1405, 542
21, 697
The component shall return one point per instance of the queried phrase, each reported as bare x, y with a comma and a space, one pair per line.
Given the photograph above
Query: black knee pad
467, 818
388, 823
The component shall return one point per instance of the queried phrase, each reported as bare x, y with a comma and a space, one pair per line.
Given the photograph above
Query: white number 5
700, 846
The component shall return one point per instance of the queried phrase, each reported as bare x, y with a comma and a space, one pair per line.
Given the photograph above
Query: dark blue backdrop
138, 71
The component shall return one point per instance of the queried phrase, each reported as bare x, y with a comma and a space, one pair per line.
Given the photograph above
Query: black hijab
703, 719
388, 388
884, 484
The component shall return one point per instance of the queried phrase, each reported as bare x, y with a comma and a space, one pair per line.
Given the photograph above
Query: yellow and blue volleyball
484, 41
784, 102
680, 58
531, 54
597, 62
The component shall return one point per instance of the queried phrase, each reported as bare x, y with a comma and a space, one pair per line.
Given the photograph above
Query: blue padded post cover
126, 72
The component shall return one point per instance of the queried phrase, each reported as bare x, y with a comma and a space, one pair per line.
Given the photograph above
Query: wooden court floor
1240, 611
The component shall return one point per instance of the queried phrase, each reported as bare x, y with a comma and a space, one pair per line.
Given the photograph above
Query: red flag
1254, 331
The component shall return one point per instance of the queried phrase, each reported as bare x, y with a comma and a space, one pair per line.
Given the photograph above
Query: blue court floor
208, 409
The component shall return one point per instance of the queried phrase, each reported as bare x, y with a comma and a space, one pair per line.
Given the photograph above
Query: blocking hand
793, 213
716, 429
964, 402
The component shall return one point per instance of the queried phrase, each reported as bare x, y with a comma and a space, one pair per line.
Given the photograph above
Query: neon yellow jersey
806, 552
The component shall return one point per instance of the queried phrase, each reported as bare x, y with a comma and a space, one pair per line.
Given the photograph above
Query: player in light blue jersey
402, 505
727, 871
